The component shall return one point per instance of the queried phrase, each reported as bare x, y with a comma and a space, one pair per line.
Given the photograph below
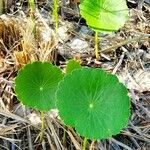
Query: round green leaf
36, 84
104, 15
94, 102
72, 65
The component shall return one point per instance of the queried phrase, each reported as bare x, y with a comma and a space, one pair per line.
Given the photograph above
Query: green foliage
72, 65
55, 14
32, 5
104, 15
94, 102
36, 84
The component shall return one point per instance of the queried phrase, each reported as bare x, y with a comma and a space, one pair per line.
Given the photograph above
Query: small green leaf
94, 102
36, 83
104, 15
72, 65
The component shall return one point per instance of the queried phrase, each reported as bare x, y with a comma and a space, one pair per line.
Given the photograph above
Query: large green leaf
94, 102
36, 83
104, 15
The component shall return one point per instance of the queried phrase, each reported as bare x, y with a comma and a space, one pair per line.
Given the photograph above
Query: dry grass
125, 53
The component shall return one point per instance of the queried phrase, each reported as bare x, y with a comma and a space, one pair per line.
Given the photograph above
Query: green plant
35, 86
104, 16
32, 5
94, 103
36, 83
55, 14
72, 65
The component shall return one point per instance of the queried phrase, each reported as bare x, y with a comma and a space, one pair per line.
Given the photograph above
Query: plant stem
55, 14
96, 45
33, 8
42, 126
32, 5
1, 7
84, 144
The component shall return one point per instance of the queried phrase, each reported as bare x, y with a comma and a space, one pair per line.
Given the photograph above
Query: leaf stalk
96, 45
42, 126
55, 14
84, 143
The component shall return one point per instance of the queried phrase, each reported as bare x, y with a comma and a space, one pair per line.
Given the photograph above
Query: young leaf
104, 15
72, 65
94, 102
36, 83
